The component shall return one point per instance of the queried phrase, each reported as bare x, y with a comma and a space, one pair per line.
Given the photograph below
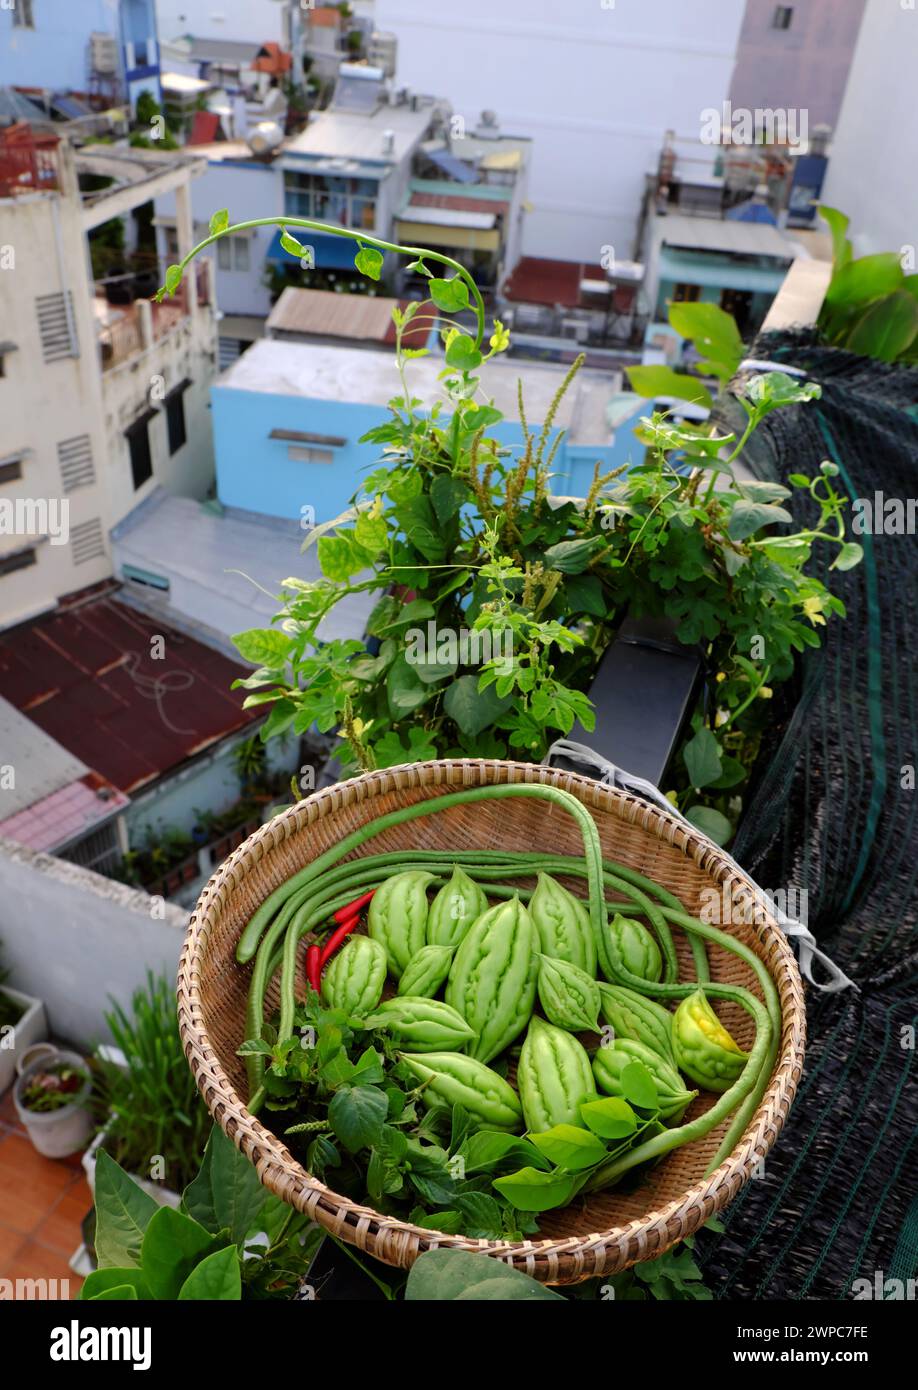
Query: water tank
103, 54
382, 52
264, 138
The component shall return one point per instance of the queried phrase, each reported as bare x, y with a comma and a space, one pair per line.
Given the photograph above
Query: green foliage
230, 1240
871, 305
156, 1111
459, 535
451, 1275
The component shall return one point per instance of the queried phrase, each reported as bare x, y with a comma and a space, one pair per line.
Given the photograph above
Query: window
348, 202
138, 439
686, 294
175, 417
10, 470
23, 17
299, 454
784, 15
233, 253
19, 560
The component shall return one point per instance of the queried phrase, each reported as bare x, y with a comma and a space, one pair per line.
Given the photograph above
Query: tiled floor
42, 1202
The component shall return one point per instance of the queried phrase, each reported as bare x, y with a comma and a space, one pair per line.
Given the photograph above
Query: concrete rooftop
367, 377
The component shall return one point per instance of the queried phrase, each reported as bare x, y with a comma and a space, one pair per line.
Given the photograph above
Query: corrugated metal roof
539, 281
322, 313
457, 202
449, 217
87, 675
736, 238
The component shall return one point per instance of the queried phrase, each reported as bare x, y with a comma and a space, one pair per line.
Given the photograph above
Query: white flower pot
31, 1027
55, 1133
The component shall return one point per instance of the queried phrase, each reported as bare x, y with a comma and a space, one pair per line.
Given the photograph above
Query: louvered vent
86, 542
54, 326
75, 459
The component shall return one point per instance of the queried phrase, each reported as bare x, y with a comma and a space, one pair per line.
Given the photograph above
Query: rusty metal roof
90, 675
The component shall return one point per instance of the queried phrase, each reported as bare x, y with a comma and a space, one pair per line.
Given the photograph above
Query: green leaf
173, 278
863, 280
371, 532
226, 1194
749, 517
219, 222
638, 1086
652, 382
486, 1149
111, 1283
714, 333
764, 492
583, 593
610, 1118
120, 1293
450, 295
123, 1212
838, 226
217, 1278
405, 690
463, 354
473, 709
702, 758
263, 646
850, 555
570, 1147
417, 519
340, 556
172, 1245
530, 1190
732, 773
460, 1276
448, 494
887, 329
291, 245
711, 823
369, 262
572, 557
357, 1115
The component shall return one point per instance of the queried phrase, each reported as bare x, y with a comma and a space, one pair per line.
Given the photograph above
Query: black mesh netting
835, 812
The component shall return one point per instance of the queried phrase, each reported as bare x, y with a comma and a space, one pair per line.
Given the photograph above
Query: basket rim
553, 1260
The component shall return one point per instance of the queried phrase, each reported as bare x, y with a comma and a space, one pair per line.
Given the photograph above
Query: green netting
835, 812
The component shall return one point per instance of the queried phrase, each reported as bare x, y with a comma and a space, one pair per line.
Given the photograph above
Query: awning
460, 238
331, 252
721, 272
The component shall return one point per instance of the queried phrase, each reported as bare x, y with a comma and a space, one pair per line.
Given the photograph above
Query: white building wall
258, 20
247, 191
595, 85
77, 940
43, 404
874, 154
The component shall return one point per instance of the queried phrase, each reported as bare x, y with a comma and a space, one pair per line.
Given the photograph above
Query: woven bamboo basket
597, 1235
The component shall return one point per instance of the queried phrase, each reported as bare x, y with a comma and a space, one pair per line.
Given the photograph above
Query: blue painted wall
256, 474
54, 53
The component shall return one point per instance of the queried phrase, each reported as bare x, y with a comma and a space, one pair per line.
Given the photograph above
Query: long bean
248, 941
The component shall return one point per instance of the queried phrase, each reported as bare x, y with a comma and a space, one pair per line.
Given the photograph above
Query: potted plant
153, 1121
52, 1097
22, 1023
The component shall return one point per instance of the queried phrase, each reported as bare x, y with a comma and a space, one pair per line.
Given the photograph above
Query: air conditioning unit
103, 54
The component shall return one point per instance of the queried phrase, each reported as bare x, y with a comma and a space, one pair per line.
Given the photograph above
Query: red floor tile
35, 1261
10, 1241
30, 1184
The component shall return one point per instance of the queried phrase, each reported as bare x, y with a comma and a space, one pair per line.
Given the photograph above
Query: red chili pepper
344, 914
336, 938
313, 966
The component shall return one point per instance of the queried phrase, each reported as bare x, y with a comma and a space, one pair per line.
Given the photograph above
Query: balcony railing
131, 332
28, 162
